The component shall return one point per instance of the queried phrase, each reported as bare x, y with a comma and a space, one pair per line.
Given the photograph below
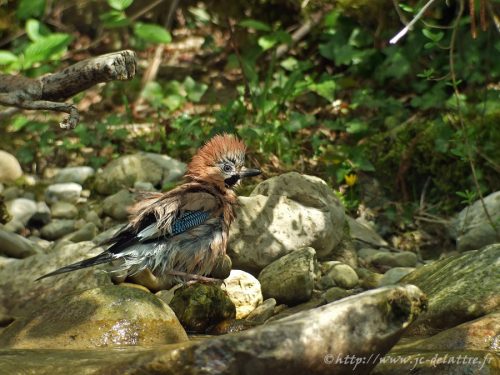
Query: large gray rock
471, 227
84, 320
74, 174
283, 214
13, 245
361, 326
460, 288
21, 209
10, 169
146, 167
244, 290
291, 278
116, 205
67, 192
20, 293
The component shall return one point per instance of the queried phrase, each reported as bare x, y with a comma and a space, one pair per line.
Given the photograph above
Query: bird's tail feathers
104, 257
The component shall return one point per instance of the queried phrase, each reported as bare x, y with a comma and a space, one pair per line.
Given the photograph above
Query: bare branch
408, 27
44, 93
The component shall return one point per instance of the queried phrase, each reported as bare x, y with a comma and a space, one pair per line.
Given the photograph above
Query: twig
408, 27
47, 92
301, 32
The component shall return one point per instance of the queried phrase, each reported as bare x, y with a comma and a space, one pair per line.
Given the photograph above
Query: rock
479, 334
85, 233
12, 192
107, 234
290, 279
441, 363
145, 167
230, 326
262, 312
283, 214
85, 320
67, 192
21, 210
57, 228
199, 306
305, 343
20, 293
334, 294
14, 226
143, 186
42, 215
472, 229
392, 276
15, 246
74, 174
402, 259
368, 279
363, 235
116, 205
244, 290
343, 276
64, 210
10, 169
92, 217
460, 288
368, 252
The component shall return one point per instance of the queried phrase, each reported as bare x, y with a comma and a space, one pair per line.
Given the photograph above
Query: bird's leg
194, 278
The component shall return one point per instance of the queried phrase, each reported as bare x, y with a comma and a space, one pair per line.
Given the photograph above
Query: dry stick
408, 27
461, 119
300, 33
47, 92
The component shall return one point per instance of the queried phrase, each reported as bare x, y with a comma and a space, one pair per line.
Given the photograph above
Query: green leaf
153, 94
45, 48
36, 30
152, 33
435, 37
290, 64
356, 126
7, 57
194, 90
120, 4
268, 41
114, 19
256, 25
200, 14
326, 89
30, 9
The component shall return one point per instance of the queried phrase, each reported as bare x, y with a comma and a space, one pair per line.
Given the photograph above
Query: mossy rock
199, 306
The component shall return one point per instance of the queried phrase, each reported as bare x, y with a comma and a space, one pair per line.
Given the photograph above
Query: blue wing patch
188, 220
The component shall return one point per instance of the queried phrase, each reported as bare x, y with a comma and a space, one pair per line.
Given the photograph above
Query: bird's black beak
246, 172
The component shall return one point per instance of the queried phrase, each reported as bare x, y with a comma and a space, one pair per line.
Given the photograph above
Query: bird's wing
173, 215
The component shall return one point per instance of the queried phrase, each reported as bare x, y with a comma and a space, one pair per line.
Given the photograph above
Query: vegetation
421, 116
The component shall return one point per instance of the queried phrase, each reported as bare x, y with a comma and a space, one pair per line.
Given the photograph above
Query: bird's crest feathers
220, 147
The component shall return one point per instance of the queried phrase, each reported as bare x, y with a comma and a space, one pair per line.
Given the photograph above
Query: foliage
341, 102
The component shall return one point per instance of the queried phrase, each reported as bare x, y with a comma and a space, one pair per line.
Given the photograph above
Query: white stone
244, 290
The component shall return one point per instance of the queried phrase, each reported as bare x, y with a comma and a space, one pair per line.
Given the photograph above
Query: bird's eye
227, 168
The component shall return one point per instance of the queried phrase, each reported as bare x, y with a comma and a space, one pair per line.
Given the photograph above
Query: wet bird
181, 234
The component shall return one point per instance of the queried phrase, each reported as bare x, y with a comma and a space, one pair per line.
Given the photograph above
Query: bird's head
220, 162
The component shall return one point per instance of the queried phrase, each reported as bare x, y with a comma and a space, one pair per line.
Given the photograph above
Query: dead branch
48, 92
